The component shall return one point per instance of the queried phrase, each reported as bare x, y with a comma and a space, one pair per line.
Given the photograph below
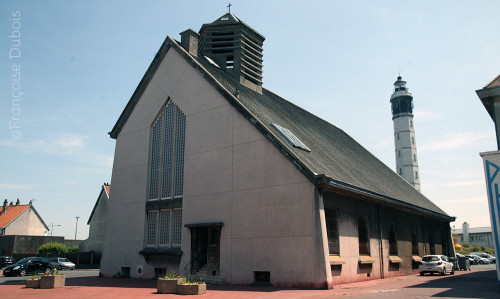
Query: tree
53, 247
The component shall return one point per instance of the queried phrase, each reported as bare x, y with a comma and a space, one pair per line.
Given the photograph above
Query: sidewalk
474, 284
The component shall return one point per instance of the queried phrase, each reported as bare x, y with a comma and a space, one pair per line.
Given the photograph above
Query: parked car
490, 258
29, 265
436, 264
481, 260
6, 261
474, 259
61, 263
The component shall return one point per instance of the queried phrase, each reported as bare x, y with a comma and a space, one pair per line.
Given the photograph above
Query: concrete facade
252, 210
254, 184
481, 236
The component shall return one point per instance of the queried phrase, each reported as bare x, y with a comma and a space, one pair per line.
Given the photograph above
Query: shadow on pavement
480, 284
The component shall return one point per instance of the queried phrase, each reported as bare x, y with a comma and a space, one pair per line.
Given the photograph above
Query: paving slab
471, 284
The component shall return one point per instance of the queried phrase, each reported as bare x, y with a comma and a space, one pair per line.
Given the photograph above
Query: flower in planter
168, 283
191, 286
52, 272
172, 275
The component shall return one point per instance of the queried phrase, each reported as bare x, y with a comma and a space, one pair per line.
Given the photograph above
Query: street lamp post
76, 228
52, 228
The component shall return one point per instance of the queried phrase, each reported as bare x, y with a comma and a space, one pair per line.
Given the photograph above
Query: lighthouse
404, 133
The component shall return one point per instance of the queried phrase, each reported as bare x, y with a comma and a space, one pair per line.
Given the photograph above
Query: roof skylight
211, 61
291, 138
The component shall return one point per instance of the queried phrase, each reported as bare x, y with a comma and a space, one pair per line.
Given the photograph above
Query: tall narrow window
432, 244
164, 228
152, 218
363, 236
166, 170
393, 240
166, 177
414, 240
332, 231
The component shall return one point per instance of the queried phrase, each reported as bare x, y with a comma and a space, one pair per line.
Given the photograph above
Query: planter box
33, 283
167, 286
51, 282
192, 289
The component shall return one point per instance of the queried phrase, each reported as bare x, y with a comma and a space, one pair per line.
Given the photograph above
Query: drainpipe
381, 244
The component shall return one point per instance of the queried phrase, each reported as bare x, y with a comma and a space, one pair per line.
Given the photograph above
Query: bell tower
235, 47
404, 133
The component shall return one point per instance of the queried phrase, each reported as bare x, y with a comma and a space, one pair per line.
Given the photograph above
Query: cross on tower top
229, 6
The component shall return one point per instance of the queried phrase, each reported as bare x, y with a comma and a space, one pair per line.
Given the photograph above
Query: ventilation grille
292, 139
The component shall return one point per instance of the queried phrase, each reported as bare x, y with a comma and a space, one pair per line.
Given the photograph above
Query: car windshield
430, 258
23, 261
64, 260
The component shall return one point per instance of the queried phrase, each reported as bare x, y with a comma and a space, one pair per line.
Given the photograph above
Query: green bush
73, 249
468, 248
53, 247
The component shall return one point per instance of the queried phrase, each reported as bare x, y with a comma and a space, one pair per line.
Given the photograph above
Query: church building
217, 176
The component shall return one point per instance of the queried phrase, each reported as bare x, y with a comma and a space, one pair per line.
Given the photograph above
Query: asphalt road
68, 273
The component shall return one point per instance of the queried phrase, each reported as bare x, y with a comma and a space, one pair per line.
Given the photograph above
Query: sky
68, 68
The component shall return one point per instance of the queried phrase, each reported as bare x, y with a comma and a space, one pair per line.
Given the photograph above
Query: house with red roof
18, 219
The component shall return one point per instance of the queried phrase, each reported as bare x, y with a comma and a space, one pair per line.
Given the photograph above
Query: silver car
436, 264
61, 263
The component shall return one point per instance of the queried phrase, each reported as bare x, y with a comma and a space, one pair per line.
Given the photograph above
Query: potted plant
52, 279
168, 283
190, 286
33, 282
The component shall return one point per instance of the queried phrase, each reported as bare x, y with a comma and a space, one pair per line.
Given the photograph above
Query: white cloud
464, 183
71, 145
477, 199
453, 141
64, 144
4, 186
425, 116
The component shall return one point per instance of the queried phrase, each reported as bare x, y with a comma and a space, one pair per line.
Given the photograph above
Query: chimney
189, 41
4, 206
465, 227
31, 202
11, 204
18, 202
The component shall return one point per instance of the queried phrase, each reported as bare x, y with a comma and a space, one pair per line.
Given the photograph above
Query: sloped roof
105, 189
335, 160
488, 94
14, 211
494, 82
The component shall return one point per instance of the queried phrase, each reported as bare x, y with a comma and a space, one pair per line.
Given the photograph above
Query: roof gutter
330, 183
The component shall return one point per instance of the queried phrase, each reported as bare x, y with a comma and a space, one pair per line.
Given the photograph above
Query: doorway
205, 250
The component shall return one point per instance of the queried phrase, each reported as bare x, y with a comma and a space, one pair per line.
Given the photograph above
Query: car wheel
422, 273
72, 268
444, 271
59, 268
22, 273
452, 271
